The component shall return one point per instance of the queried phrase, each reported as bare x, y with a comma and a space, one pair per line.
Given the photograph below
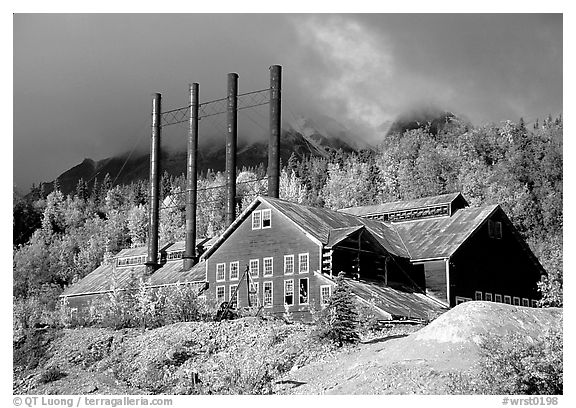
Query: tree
343, 317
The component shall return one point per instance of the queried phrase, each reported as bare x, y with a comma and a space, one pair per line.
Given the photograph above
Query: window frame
498, 296
257, 268
527, 302
223, 264
488, 295
259, 213
286, 293
509, 299
478, 295
271, 284
286, 257
514, 301
271, 259
325, 301
256, 295
267, 211
307, 291
533, 302
307, 255
462, 299
237, 265
223, 298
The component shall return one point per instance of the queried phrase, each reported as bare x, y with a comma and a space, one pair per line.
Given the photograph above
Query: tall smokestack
231, 144
152, 261
275, 128
191, 179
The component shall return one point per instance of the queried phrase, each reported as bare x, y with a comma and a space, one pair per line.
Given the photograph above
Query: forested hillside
59, 238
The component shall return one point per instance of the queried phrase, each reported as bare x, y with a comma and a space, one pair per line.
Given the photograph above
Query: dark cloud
83, 83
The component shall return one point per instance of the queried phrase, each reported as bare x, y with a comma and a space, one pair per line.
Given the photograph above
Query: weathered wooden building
409, 259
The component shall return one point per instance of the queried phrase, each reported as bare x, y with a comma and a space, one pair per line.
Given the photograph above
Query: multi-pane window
268, 266
303, 263
220, 294
220, 272
303, 300
498, 297
266, 218
234, 266
288, 264
507, 300
268, 296
233, 296
254, 267
256, 219
488, 297
253, 294
289, 292
534, 303
478, 295
516, 301
525, 302
495, 229
325, 293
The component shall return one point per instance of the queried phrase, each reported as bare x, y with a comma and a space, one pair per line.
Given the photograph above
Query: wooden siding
282, 238
435, 275
495, 266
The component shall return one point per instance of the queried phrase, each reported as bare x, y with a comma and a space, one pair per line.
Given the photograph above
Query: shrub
51, 374
342, 317
515, 364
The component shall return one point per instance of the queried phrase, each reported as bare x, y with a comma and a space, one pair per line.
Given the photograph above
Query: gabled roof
173, 272
404, 205
318, 223
441, 237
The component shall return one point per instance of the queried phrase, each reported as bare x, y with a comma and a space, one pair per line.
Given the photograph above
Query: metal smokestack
191, 179
231, 147
275, 128
152, 261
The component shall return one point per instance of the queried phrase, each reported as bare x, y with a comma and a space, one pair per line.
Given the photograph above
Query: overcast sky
83, 83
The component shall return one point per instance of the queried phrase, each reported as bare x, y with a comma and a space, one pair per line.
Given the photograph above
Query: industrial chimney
152, 261
190, 257
231, 147
275, 128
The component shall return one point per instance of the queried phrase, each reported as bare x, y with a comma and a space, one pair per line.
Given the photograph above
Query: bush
515, 364
51, 374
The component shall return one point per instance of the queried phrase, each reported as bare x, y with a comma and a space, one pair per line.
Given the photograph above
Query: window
253, 295
268, 295
325, 293
254, 267
534, 303
234, 266
233, 296
460, 299
266, 218
288, 264
498, 298
303, 300
220, 272
488, 297
256, 220
303, 263
495, 229
220, 294
507, 300
516, 301
268, 266
477, 295
289, 292
525, 302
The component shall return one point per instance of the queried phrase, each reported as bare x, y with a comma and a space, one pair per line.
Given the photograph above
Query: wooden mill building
407, 259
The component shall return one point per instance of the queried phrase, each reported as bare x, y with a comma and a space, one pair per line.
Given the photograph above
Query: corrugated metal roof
393, 302
402, 205
319, 222
102, 278
441, 237
126, 252
173, 272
